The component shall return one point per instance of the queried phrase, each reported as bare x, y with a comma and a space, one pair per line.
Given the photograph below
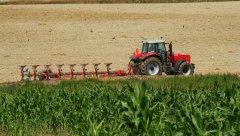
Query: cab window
160, 47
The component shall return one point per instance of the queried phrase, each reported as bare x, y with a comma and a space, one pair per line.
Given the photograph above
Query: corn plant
197, 105
139, 112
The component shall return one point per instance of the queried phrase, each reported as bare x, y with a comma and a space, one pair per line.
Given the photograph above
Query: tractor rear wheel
186, 69
151, 66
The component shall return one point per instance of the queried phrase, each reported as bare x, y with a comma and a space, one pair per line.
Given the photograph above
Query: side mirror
170, 51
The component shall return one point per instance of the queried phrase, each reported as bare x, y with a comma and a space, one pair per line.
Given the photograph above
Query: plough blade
46, 73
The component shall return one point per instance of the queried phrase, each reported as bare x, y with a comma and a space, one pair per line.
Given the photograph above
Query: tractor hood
138, 56
180, 56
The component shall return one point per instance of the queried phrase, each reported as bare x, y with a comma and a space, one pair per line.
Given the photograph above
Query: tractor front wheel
186, 69
151, 66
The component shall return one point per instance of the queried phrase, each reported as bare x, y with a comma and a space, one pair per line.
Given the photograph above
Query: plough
153, 60
47, 72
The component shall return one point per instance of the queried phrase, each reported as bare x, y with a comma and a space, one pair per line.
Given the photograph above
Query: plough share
47, 72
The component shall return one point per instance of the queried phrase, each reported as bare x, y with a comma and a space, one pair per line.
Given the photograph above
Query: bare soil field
80, 33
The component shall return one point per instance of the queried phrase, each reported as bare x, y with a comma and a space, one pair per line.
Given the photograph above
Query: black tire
186, 69
151, 66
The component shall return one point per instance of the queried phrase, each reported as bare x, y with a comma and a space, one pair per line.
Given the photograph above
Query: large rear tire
151, 66
186, 69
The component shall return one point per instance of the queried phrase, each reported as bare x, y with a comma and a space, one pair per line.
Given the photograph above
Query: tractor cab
156, 46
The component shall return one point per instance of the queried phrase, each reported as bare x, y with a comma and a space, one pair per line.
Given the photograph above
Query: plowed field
80, 33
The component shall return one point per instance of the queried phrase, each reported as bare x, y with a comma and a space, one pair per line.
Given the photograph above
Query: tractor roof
153, 41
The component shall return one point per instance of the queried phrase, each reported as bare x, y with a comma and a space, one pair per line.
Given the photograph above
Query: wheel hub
153, 68
186, 70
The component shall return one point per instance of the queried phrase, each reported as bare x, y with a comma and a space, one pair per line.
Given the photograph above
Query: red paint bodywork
180, 56
176, 56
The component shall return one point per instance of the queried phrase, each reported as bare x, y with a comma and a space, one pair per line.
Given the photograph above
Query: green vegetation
198, 105
103, 1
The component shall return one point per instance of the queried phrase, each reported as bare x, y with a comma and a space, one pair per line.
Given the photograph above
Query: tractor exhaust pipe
171, 52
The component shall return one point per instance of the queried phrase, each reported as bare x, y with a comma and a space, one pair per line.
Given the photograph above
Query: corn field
198, 105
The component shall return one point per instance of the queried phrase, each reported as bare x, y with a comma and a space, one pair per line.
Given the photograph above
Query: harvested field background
101, 1
80, 33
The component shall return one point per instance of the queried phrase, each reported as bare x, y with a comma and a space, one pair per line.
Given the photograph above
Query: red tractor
155, 59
